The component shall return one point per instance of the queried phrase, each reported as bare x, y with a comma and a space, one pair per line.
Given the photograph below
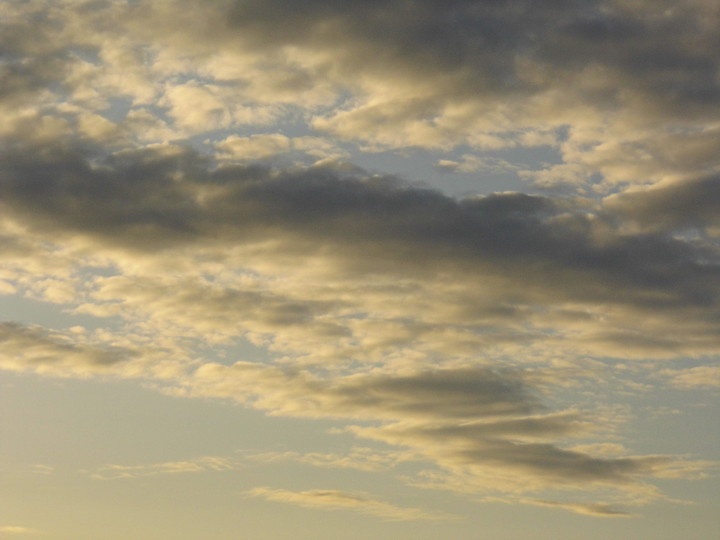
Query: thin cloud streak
342, 500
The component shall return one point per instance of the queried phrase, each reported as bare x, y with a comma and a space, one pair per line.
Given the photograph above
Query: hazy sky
342, 269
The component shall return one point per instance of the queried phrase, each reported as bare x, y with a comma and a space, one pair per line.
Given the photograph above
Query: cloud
254, 147
469, 419
13, 529
180, 175
587, 509
361, 458
201, 464
388, 74
164, 199
274, 145
445, 393
501, 455
33, 348
675, 204
470, 163
696, 377
342, 500
505, 61
43, 469
470, 423
249, 203
306, 261
200, 107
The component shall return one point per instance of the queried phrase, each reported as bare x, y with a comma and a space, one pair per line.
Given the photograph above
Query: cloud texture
184, 175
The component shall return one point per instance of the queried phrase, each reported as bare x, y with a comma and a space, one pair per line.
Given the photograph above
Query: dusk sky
345, 269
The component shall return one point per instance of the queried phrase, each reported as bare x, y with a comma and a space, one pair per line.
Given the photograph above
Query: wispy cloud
602, 510
696, 377
16, 530
197, 465
361, 458
320, 499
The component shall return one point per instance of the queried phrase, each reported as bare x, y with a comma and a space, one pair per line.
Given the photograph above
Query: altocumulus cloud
351, 239
438, 325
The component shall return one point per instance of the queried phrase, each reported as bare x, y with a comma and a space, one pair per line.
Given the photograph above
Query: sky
388, 269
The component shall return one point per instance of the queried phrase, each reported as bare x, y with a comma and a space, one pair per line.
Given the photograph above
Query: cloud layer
184, 175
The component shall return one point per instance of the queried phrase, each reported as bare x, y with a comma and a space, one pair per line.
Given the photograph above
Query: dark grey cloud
512, 450
659, 50
532, 427
29, 61
518, 258
558, 464
528, 64
458, 394
681, 205
128, 195
450, 394
154, 199
36, 348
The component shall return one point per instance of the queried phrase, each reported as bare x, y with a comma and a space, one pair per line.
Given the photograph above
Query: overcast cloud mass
476, 241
